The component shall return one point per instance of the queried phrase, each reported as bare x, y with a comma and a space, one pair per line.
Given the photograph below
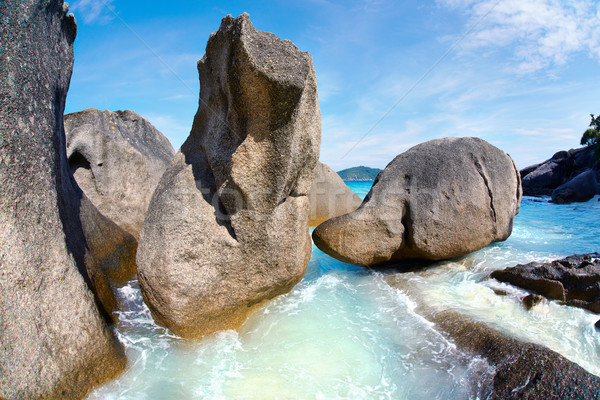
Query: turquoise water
344, 333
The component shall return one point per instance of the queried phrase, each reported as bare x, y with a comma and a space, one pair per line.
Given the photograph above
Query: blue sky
521, 74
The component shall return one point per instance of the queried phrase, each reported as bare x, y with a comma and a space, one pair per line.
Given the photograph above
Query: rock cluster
55, 247
117, 159
329, 196
569, 176
573, 280
440, 199
227, 226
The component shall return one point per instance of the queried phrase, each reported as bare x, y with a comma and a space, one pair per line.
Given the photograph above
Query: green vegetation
591, 137
359, 173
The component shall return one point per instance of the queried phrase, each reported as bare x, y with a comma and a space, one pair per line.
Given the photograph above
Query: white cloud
91, 11
543, 32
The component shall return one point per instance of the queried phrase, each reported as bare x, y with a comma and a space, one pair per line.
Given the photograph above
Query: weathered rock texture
439, 200
227, 226
521, 370
117, 159
574, 280
329, 196
54, 342
568, 176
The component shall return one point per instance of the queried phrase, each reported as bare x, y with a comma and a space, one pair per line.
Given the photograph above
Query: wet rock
54, 342
117, 159
542, 179
227, 226
597, 325
329, 196
574, 280
579, 189
439, 200
522, 370
532, 300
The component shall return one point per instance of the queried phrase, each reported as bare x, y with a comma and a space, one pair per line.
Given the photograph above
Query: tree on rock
591, 136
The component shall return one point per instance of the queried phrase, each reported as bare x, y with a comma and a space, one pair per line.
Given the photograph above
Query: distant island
359, 173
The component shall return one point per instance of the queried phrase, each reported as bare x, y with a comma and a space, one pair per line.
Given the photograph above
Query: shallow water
343, 332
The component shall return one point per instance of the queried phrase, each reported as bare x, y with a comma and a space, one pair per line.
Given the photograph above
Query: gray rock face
542, 179
329, 196
227, 226
579, 189
439, 200
54, 341
117, 159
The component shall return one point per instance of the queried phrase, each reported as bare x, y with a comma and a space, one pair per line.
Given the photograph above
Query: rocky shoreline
568, 176
223, 224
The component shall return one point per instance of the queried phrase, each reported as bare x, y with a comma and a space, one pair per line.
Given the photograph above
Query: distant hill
359, 173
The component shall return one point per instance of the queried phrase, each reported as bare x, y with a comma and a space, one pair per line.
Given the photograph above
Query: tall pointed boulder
227, 226
54, 342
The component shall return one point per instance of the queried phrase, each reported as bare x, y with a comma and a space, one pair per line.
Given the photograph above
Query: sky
522, 74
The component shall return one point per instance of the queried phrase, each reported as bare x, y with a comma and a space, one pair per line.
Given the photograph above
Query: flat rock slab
574, 280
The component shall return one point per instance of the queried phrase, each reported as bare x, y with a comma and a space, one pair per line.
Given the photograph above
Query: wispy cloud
544, 33
91, 11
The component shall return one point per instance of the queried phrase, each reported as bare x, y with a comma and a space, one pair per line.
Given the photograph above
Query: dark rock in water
597, 325
532, 300
574, 280
329, 196
117, 159
522, 370
542, 179
579, 189
54, 342
439, 200
227, 226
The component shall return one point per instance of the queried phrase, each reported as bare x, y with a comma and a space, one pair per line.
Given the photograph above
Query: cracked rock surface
227, 226
440, 199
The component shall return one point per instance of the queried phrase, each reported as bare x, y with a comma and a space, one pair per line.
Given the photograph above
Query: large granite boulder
117, 159
579, 189
329, 196
439, 200
542, 179
574, 280
55, 343
227, 226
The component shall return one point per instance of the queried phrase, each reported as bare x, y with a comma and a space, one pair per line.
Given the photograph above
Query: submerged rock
117, 159
574, 280
54, 342
439, 200
227, 226
329, 196
532, 300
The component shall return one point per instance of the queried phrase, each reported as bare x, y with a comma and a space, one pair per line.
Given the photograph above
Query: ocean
345, 333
